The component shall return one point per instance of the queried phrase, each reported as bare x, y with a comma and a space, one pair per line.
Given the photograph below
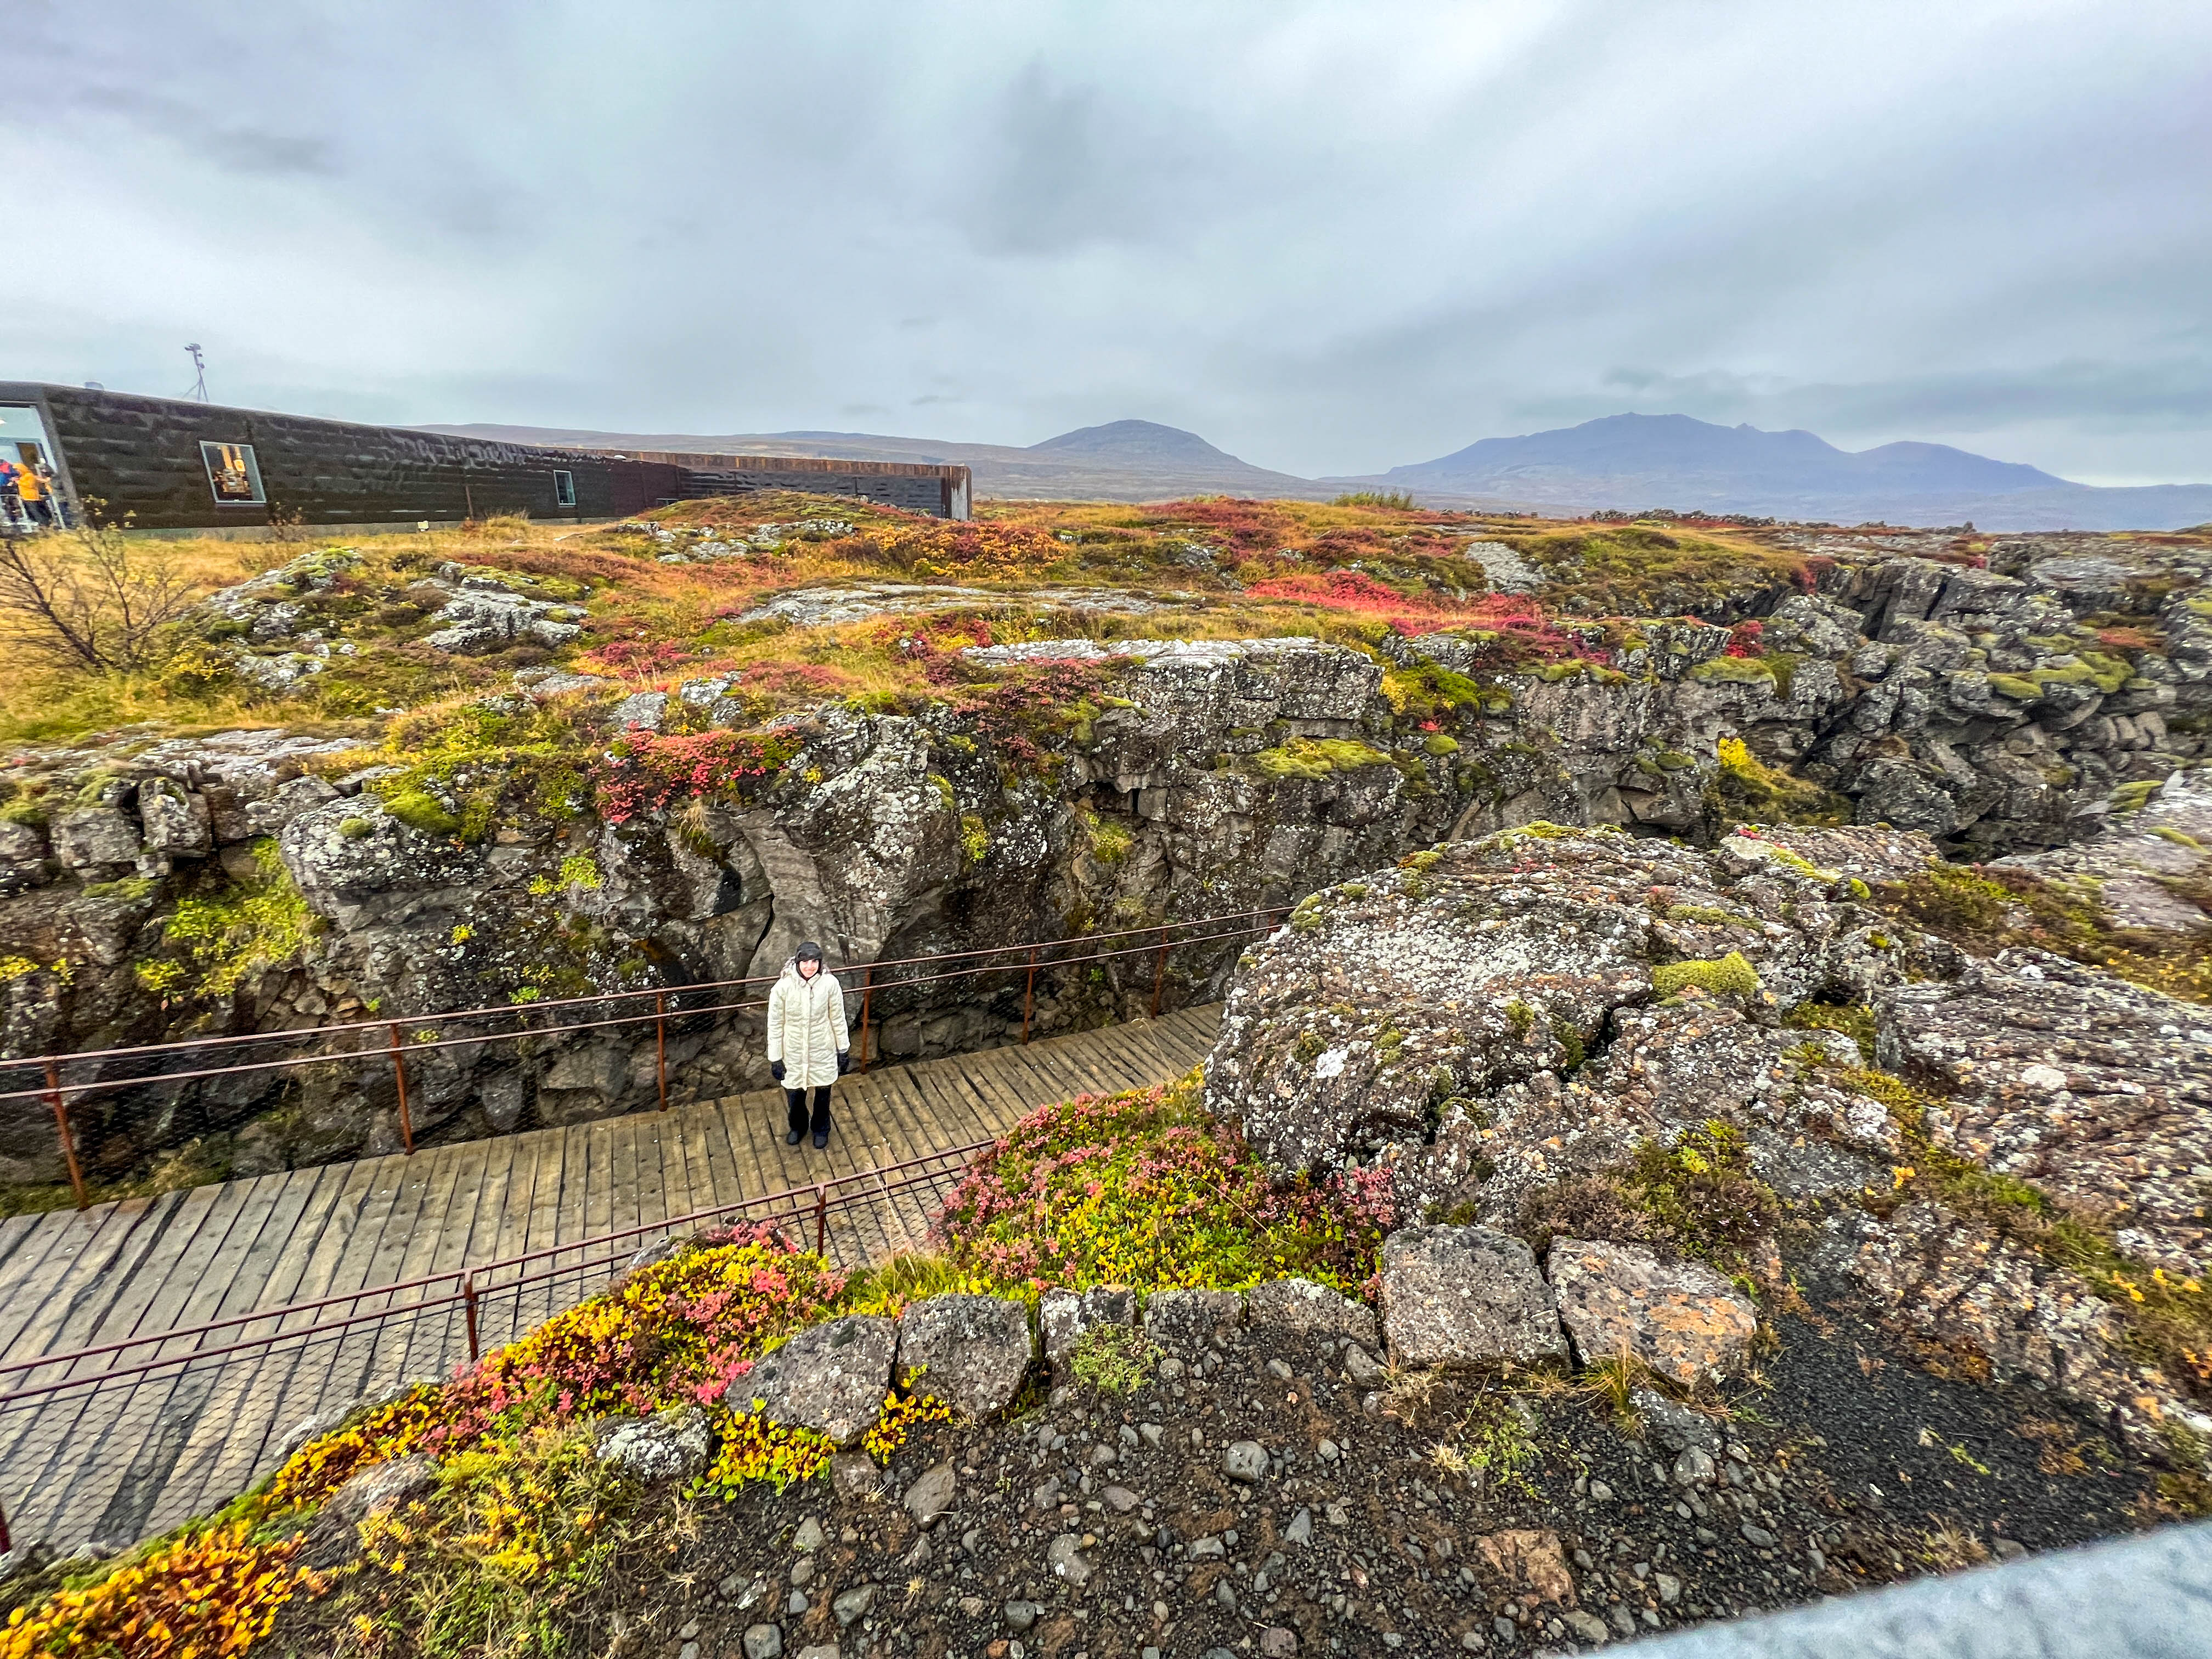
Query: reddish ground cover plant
1747, 639
1146, 1189
643, 771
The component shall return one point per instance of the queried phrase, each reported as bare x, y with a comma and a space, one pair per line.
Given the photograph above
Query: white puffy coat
806, 1028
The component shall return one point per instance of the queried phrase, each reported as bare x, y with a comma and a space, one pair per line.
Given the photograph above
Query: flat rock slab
1683, 1319
831, 1378
972, 1351
1466, 1296
1299, 1305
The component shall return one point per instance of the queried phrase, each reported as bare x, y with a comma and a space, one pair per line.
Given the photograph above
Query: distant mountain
1630, 462
1626, 462
1121, 461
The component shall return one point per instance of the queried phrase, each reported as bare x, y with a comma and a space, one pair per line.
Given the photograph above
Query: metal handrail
58, 1093
814, 1200
524, 1010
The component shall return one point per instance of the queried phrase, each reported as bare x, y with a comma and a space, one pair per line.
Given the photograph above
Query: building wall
140, 456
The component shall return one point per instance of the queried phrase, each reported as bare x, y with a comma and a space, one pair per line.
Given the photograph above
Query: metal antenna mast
199, 391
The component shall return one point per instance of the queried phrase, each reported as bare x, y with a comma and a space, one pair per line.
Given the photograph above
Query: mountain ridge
1629, 462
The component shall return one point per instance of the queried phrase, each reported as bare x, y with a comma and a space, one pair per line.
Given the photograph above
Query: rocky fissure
2014, 709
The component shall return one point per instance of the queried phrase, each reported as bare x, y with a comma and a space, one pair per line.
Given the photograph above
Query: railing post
867, 996
1159, 969
1028, 995
60, 1102
821, 1219
660, 1042
469, 1307
399, 1077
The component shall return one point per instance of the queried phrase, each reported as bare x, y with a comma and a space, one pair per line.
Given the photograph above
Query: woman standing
808, 1045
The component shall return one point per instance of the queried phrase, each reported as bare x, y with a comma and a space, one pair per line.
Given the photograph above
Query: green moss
356, 828
1109, 843
1439, 742
1734, 671
579, 871
1316, 757
2017, 687
24, 808
1855, 1020
2134, 797
1521, 1018
260, 923
2179, 837
1572, 1053
943, 784
975, 836
1308, 1048
131, 889
1353, 889
1731, 975
1428, 689
419, 810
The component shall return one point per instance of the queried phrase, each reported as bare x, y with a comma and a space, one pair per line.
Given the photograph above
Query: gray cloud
1331, 238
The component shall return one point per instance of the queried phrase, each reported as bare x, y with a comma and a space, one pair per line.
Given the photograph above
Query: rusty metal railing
380, 1040
469, 1287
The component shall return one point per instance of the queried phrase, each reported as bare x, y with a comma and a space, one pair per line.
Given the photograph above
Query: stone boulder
1429, 1016
674, 1444
971, 1351
1305, 1308
831, 1378
1064, 1316
1683, 1319
1465, 1296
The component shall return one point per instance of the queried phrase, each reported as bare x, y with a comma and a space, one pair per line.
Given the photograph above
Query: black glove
844, 1061
775, 1070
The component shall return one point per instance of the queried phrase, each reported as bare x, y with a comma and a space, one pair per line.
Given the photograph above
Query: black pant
795, 1099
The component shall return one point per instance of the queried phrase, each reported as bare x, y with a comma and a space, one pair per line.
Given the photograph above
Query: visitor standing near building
11, 500
809, 1045
31, 490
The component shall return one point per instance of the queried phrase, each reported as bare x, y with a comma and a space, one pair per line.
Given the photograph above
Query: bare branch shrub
90, 598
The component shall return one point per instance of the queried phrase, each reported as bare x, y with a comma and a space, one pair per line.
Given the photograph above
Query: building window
564, 489
233, 474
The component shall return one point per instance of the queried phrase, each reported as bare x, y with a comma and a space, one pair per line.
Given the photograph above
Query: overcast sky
1330, 238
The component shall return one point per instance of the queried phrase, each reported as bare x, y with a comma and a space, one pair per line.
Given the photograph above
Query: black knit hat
808, 950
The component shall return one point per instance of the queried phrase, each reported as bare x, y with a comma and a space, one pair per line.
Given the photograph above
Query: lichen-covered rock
971, 1351
1465, 1296
671, 1445
1426, 1017
830, 1378
1683, 1319
2096, 1090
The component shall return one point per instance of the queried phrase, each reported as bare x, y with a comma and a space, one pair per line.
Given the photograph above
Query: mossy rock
1731, 975
1734, 671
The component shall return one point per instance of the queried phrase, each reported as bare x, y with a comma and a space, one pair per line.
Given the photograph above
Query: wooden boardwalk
128, 1461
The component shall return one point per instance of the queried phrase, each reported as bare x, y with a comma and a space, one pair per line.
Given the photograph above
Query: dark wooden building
172, 463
